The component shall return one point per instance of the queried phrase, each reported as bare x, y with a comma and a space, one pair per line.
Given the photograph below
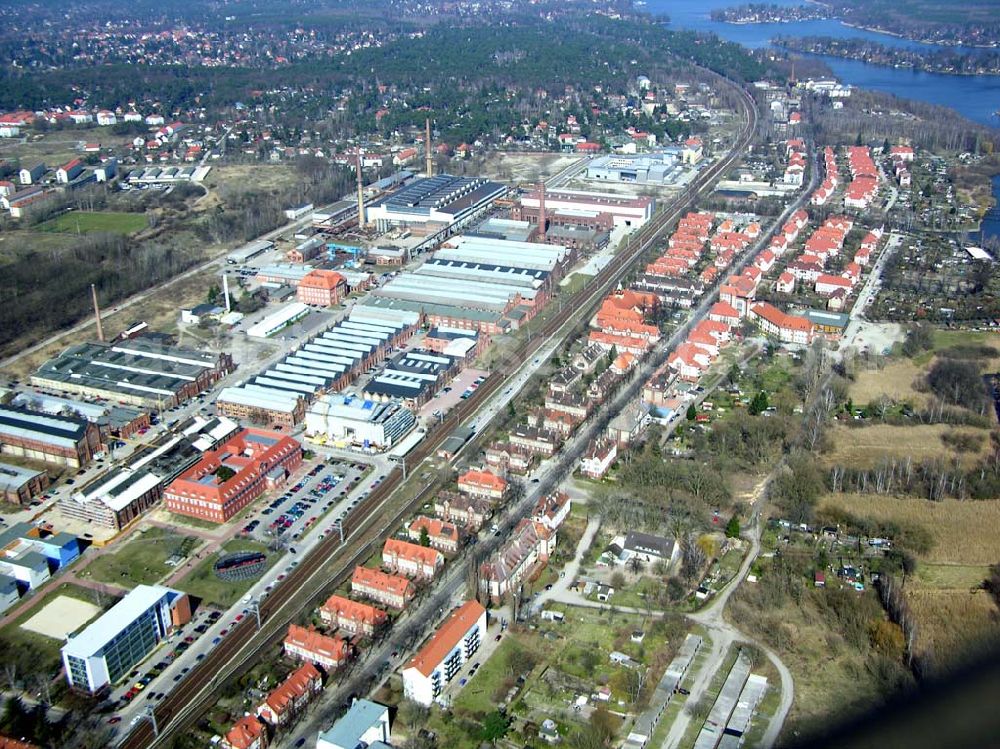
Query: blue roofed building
366, 724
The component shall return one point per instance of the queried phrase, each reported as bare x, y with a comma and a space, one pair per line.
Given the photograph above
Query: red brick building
233, 475
323, 287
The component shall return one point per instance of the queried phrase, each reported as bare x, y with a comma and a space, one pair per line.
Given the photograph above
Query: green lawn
142, 560
85, 222
204, 584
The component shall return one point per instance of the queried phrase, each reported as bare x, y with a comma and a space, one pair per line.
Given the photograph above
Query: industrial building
121, 495
437, 663
477, 283
110, 418
232, 475
156, 175
62, 440
412, 377
108, 648
347, 419
30, 555
658, 168
249, 251
21, 485
278, 320
427, 205
136, 371
625, 211
329, 361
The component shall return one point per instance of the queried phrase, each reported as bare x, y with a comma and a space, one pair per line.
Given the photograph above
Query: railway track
374, 517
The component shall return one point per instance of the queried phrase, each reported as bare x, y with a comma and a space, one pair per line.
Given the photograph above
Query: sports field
61, 617
85, 222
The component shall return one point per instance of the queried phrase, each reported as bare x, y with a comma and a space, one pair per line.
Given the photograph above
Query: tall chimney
541, 211
361, 195
427, 149
225, 291
97, 313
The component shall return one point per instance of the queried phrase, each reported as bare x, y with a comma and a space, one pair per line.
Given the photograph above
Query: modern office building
658, 168
62, 440
107, 649
137, 371
430, 670
233, 475
345, 418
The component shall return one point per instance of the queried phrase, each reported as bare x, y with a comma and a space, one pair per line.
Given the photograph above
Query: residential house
411, 560
310, 645
517, 559
389, 590
599, 458
469, 512
626, 427
291, 696
247, 733
441, 534
352, 617
552, 509
482, 484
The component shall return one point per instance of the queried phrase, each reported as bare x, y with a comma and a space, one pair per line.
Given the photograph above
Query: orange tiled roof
447, 637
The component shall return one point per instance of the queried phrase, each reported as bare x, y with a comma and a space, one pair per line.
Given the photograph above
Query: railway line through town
332, 560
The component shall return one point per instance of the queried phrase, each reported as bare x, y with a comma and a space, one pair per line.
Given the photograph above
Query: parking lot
289, 515
465, 382
146, 683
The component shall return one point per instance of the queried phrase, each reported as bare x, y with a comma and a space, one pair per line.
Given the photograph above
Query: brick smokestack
541, 212
361, 195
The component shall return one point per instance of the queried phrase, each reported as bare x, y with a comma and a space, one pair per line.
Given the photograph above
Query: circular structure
242, 565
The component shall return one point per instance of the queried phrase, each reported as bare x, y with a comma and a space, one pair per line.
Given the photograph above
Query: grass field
895, 380
865, 446
85, 222
950, 608
203, 583
965, 533
141, 560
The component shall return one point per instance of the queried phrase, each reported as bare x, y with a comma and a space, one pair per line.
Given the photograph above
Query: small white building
366, 724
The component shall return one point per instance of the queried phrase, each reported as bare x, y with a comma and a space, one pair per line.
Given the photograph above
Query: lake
975, 97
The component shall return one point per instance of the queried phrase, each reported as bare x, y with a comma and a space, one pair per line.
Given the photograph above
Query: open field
525, 167
61, 617
865, 446
951, 610
58, 146
203, 583
895, 380
141, 560
86, 222
963, 532
946, 338
950, 621
242, 177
